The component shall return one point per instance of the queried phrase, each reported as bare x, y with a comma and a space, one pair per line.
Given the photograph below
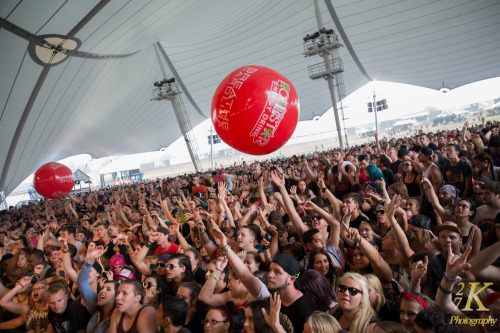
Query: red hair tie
416, 298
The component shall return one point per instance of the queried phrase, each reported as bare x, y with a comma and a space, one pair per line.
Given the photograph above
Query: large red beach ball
255, 110
53, 180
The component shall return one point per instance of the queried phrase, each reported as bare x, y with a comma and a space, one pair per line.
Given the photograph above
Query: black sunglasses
380, 211
352, 291
161, 264
148, 285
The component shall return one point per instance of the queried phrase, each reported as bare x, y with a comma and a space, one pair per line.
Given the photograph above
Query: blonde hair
365, 312
374, 281
321, 322
478, 144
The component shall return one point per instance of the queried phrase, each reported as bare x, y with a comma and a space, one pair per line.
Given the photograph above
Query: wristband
323, 190
444, 291
451, 279
65, 251
219, 270
148, 245
202, 231
21, 285
383, 201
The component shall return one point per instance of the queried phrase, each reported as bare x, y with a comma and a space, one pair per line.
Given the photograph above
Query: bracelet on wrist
65, 251
219, 270
22, 286
444, 291
452, 279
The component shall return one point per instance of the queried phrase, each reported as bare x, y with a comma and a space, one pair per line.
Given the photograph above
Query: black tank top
413, 188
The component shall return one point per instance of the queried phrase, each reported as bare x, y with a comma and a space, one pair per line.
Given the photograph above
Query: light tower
169, 90
325, 43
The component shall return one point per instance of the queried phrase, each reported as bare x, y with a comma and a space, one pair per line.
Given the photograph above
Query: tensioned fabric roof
94, 94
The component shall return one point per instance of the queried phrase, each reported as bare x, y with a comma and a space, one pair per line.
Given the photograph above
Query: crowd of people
398, 235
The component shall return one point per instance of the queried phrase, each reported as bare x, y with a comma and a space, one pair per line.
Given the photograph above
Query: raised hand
456, 264
321, 183
293, 190
273, 318
242, 254
419, 268
279, 181
109, 275
221, 263
219, 237
390, 206
426, 182
353, 234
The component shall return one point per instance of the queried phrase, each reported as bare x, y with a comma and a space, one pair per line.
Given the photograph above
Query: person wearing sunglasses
354, 311
411, 179
155, 289
178, 270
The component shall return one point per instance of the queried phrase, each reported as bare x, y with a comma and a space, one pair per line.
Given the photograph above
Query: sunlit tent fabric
95, 97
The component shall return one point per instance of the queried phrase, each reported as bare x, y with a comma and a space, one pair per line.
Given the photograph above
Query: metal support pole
177, 111
375, 108
211, 147
331, 85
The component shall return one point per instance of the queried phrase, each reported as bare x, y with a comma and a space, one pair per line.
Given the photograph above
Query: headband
416, 298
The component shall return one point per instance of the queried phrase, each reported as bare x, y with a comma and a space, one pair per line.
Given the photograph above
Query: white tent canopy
77, 75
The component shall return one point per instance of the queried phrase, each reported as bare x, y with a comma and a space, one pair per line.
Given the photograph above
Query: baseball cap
117, 260
402, 152
288, 263
421, 221
448, 225
125, 273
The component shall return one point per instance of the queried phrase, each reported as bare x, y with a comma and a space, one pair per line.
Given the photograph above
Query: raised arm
82, 281
68, 268
454, 267
222, 199
335, 203
380, 267
262, 195
298, 225
482, 264
6, 301
251, 282
207, 295
390, 207
138, 261
330, 220
443, 214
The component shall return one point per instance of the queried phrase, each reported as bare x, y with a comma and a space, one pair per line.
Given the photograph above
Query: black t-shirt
298, 312
357, 221
74, 318
455, 175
